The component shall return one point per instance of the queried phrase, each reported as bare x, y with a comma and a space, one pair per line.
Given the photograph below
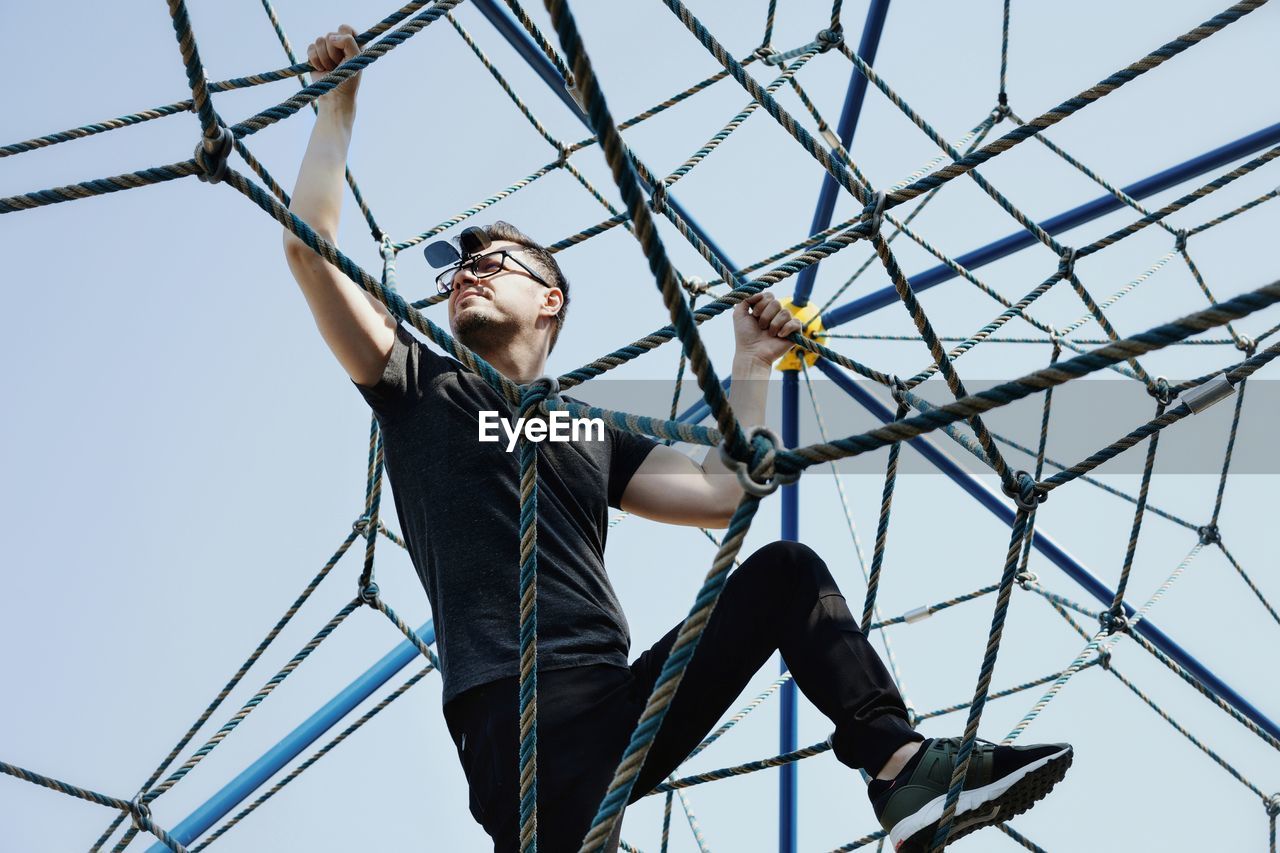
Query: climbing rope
757, 456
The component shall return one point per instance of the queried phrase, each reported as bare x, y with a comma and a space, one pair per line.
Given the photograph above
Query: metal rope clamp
750, 485
211, 155
1027, 494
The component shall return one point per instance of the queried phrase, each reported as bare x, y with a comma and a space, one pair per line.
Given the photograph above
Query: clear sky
182, 453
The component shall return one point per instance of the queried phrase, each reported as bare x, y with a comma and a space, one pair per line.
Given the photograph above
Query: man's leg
781, 598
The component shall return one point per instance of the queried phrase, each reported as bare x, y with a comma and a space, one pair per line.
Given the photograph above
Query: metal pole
849, 114
1001, 508
308, 732
788, 783
1170, 177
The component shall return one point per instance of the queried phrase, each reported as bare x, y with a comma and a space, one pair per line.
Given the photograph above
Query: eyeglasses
485, 266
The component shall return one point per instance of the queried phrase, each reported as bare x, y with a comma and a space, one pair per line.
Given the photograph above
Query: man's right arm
358, 329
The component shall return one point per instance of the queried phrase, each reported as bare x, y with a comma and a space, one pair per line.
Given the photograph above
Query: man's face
485, 312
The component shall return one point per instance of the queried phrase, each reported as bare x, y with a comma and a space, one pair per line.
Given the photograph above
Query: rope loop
873, 213
1246, 345
362, 525
139, 813
829, 38
540, 389
764, 51
1180, 240
1025, 491
1161, 390
1209, 534
759, 476
369, 594
387, 248
1026, 579
211, 155
1067, 262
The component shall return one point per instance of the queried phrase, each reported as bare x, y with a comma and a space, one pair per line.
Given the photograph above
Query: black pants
781, 598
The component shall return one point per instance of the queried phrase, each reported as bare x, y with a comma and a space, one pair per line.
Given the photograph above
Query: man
457, 501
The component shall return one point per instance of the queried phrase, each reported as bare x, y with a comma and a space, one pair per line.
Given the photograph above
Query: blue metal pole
1001, 508
788, 785
1170, 177
849, 114
514, 33
308, 732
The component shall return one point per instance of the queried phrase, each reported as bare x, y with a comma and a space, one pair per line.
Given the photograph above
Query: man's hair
545, 260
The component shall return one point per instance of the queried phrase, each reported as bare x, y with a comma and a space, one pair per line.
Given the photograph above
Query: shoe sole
996, 802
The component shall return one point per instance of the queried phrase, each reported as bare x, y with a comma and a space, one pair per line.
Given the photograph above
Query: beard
484, 330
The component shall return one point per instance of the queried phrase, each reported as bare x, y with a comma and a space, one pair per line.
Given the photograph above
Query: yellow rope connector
812, 320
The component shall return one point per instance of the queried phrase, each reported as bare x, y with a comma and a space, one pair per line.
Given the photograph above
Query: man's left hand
761, 327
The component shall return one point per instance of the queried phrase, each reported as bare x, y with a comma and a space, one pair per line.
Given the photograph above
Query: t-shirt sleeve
406, 379
629, 452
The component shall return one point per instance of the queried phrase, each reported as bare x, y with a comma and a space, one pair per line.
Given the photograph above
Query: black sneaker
1002, 781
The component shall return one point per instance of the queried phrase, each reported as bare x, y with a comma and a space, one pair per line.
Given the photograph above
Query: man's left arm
669, 486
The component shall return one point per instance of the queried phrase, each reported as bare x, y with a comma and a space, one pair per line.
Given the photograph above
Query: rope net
760, 460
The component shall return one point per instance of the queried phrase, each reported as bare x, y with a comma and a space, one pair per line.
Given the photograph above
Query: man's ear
552, 301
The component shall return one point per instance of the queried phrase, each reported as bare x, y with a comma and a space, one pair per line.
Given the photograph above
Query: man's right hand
327, 53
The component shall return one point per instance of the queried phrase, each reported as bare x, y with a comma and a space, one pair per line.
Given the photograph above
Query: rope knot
140, 813
829, 38
1002, 110
898, 389
1025, 491
369, 594
1026, 579
1113, 622
1161, 390
1104, 659
211, 155
873, 213
362, 524
1209, 534
764, 51
1067, 262
759, 475
1246, 344
564, 155
1180, 240
540, 389
1273, 806
658, 203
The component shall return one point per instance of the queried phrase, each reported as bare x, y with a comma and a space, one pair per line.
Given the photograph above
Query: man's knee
791, 566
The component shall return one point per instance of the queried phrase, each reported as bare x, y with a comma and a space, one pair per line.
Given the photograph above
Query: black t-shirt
458, 503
